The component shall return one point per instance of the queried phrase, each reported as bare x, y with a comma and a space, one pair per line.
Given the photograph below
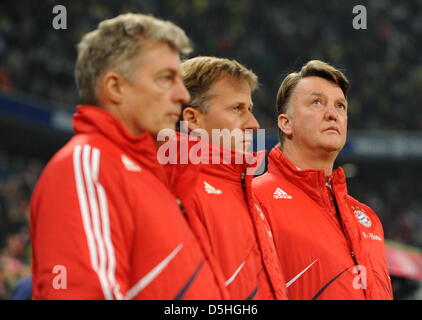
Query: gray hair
114, 44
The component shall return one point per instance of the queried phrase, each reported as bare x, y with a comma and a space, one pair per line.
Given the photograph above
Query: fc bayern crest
363, 218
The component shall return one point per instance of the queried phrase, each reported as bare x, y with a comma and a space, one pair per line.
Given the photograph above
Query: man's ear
193, 117
285, 124
112, 87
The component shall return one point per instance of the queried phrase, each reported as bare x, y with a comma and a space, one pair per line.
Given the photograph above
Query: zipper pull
182, 208
354, 257
242, 177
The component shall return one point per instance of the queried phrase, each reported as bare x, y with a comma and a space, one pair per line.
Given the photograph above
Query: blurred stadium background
383, 155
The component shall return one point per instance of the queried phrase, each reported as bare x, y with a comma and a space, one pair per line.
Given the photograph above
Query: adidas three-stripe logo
93, 204
280, 194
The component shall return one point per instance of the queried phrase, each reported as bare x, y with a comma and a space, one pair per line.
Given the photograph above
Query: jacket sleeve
78, 210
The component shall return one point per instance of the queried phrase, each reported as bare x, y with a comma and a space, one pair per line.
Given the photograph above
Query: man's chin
164, 131
332, 147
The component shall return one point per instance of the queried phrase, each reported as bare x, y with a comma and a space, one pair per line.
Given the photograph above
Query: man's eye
236, 108
168, 78
165, 80
316, 101
341, 106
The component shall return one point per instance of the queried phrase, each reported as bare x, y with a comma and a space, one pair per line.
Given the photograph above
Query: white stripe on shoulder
93, 205
93, 202
150, 276
105, 220
83, 204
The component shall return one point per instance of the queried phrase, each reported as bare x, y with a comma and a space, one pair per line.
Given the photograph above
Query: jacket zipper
182, 208
337, 209
354, 258
242, 177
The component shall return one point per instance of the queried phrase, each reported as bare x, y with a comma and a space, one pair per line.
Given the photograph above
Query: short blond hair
315, 68
201, 72
114, 44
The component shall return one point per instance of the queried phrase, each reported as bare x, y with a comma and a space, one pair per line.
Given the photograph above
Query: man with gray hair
104, 221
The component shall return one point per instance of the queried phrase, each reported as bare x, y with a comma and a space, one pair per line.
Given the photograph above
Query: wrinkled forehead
229, 89
158, 54
310, 86
234, 83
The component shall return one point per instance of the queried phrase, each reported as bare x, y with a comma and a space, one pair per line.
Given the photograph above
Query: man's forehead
160, 55
309, 86
230, 87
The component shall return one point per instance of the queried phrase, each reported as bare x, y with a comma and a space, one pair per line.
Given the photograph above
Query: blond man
222, 205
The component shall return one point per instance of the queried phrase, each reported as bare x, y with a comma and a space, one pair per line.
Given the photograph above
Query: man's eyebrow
169, 69
241, 104
342, 100
319, 94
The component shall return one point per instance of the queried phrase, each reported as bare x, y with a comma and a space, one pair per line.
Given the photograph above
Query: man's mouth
175, 115
332, 129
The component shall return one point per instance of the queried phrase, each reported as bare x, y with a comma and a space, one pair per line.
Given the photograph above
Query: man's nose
181, 94
251, 122
331, 113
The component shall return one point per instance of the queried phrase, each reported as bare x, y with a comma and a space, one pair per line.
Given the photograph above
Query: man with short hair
330, 245
104, 221
222, 207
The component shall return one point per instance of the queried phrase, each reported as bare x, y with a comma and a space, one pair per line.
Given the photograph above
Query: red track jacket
323, 255
104, 223
222, 210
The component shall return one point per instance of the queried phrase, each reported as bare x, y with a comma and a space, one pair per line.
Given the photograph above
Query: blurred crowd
273, 38
18, 175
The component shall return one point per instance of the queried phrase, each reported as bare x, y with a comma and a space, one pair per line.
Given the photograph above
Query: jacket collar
311, 181
142, 148
222, 162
